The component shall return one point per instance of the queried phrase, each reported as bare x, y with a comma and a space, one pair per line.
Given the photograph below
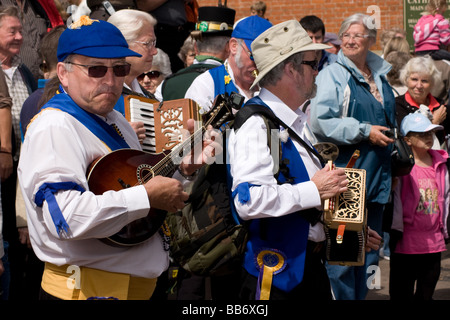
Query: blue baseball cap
249, 29
417, 122
93, 38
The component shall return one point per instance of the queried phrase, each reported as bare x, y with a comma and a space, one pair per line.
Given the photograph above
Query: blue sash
97, 126
278, 243
222, 84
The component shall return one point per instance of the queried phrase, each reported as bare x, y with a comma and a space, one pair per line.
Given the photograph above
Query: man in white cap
284, 255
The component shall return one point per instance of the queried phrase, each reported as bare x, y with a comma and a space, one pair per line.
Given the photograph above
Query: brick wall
331, 12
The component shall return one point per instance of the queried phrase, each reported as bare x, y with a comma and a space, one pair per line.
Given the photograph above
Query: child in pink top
421, 203
432, 31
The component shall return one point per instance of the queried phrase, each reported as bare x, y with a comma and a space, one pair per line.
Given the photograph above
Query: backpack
207, 236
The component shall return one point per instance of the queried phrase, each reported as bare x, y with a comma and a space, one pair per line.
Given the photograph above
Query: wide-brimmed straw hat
278, 43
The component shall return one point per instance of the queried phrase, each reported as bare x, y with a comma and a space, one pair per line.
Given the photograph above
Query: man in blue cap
239, 70
66, 218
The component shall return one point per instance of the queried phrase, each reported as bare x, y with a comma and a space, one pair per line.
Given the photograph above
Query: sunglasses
120, 70
314, 64
151, 75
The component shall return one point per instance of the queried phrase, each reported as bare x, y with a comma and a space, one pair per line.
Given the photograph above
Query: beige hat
278, 43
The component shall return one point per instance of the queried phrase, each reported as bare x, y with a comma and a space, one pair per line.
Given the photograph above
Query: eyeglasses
151, 75
314, 64
358, 36
150, 44
250, 55
120, 70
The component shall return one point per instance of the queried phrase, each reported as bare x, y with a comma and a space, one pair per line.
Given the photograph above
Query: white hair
162, 61
359, 18
423, 65
130, 22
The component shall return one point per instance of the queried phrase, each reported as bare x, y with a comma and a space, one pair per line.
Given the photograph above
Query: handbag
402, 157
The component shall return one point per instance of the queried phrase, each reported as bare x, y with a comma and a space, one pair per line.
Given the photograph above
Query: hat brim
282, 57
109, 52
226, 33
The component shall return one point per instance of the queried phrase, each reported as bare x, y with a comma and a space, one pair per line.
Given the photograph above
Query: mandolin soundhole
144, 172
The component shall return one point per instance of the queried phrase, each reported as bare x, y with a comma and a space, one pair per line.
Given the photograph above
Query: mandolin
125, 168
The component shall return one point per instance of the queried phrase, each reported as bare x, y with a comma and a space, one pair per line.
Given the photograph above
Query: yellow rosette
270, 262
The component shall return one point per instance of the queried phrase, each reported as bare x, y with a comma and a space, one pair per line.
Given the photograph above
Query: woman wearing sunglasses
160, 69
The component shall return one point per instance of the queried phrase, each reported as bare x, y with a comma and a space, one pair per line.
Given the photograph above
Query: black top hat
215, 21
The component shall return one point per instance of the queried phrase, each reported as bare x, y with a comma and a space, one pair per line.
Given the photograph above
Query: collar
134, 86
433, 102
377, 65
294, 119
207, 60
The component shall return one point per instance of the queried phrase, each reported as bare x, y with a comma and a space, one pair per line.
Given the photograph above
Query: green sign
411, 14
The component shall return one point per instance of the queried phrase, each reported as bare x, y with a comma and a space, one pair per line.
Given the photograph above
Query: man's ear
62, 73
290, 70
233, 45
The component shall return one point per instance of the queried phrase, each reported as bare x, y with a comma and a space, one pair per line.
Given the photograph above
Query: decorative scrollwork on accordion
349, 206
345, 221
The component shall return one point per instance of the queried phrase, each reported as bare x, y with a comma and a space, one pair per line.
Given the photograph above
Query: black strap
249, 110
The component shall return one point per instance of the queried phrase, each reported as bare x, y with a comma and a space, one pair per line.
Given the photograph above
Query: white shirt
158, 92
250, 161
203, 93
59, 148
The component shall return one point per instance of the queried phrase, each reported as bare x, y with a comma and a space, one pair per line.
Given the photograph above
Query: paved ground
442, 289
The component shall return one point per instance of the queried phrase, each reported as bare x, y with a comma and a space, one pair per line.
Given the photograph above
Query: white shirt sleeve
202, 92
60, 150
251, 162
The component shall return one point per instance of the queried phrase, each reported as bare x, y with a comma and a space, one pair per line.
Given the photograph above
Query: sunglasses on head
151, 75
120, 70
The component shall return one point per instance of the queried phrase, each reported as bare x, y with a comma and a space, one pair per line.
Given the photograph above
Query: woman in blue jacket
351, 108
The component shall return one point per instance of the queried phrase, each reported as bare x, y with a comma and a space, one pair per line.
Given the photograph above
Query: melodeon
345, 219
163, 122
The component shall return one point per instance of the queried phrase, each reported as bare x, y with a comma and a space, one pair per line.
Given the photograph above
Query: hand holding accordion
345, 219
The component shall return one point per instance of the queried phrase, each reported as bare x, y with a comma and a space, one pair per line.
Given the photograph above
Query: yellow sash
82, 283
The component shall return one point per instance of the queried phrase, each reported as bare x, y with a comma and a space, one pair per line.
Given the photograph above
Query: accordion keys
163, 121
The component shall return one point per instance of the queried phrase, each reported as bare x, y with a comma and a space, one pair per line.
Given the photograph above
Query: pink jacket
430, 32
404, 209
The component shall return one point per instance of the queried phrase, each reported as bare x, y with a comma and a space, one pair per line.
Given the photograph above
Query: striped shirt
19, 93
431, 32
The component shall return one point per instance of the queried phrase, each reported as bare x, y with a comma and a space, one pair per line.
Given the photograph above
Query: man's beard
312, 92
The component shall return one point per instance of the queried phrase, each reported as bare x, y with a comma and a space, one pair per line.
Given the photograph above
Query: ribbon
46, 192
270, 263
243, 191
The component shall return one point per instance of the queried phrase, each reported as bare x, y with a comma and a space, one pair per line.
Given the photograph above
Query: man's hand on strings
211, 147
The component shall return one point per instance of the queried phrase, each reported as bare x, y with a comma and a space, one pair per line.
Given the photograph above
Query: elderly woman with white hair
160, 69
419, 75
352, 107
138, 29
